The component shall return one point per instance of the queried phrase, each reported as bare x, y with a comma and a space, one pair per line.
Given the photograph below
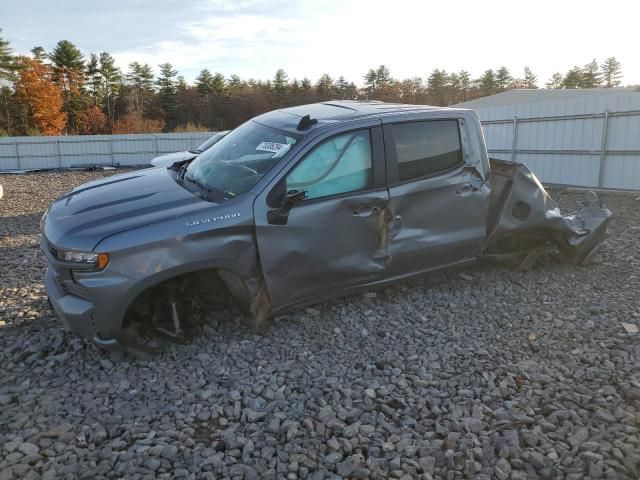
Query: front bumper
76, 314
91, 304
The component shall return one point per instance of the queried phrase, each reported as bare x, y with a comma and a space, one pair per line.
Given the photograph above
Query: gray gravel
492, 374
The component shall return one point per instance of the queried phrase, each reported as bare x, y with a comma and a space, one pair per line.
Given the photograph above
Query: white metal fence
587, 150
581, 149
25, 153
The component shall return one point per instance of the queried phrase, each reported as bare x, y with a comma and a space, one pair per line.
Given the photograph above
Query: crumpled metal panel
325, 247
523, 216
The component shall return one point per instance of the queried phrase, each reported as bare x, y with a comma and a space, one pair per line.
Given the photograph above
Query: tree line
63, 92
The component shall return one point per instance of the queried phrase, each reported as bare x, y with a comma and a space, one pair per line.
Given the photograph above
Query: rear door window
427, 148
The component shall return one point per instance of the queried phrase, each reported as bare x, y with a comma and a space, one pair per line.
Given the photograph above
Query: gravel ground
491, 373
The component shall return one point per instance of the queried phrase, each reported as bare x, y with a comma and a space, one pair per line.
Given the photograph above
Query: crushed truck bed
523, 217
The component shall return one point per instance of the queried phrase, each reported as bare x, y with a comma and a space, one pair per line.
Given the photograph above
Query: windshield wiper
217, 194
182, 171
199, 184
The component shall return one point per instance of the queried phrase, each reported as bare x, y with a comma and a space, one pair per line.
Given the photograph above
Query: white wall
569, 151
66, 151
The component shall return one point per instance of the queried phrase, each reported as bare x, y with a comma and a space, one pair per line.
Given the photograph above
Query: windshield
211, 141
235, 164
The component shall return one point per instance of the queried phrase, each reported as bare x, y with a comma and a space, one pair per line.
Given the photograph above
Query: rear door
332, 239
438, 203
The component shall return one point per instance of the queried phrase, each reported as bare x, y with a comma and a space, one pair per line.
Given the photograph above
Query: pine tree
68, 71
8, 62
454, 87
204, 87
219, 84
204, 82
295, 91
384, 81
340, 86
487, 83
110, 80
280, 83
503, 79
611, 72
181, 83
371, 81
438, 84
305, 85
351, 92
465, 83
383, 76
211, 88
141, 76
324, 87
68, 67
139, 79
530, 79
591, 76
94, 78
573, 78
167, 92
39, 53
66, 56
234, 82
454, 81
378, 82
556, 81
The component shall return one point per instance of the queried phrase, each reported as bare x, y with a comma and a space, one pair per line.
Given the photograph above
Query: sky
306, 38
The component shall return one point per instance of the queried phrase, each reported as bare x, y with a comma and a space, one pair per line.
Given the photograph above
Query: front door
332, 239
438, 202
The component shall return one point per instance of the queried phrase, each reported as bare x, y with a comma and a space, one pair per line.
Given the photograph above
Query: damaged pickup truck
293, 207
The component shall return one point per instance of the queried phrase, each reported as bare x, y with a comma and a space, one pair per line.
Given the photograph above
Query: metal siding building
585, 137
23, 153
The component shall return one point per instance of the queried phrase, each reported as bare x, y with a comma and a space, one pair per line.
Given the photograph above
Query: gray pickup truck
293, 207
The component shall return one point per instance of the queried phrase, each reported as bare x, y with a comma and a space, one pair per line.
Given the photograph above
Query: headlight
98, 260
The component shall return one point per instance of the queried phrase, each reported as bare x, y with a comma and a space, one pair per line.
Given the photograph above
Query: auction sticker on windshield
272, 147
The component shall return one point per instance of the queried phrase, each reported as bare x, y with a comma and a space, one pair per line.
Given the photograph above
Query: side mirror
280, 215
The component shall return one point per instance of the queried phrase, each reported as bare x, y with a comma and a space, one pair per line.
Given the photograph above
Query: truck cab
386, 195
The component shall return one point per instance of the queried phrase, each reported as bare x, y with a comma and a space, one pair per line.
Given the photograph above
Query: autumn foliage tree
36, 89
134, 122
91, 121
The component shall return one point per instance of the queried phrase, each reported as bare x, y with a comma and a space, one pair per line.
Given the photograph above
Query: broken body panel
523, 216
273, 249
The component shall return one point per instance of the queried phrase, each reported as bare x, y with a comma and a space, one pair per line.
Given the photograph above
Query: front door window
338, 165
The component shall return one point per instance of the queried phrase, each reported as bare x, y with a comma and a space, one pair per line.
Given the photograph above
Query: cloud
240, 38
253, 38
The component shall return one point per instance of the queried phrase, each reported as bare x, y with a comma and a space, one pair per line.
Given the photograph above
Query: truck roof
336, 111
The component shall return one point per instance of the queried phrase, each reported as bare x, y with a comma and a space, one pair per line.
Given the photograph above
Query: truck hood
171, 158
81, 218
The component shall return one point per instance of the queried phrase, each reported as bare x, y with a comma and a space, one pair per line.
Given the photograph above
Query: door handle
366, 211
467, 189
